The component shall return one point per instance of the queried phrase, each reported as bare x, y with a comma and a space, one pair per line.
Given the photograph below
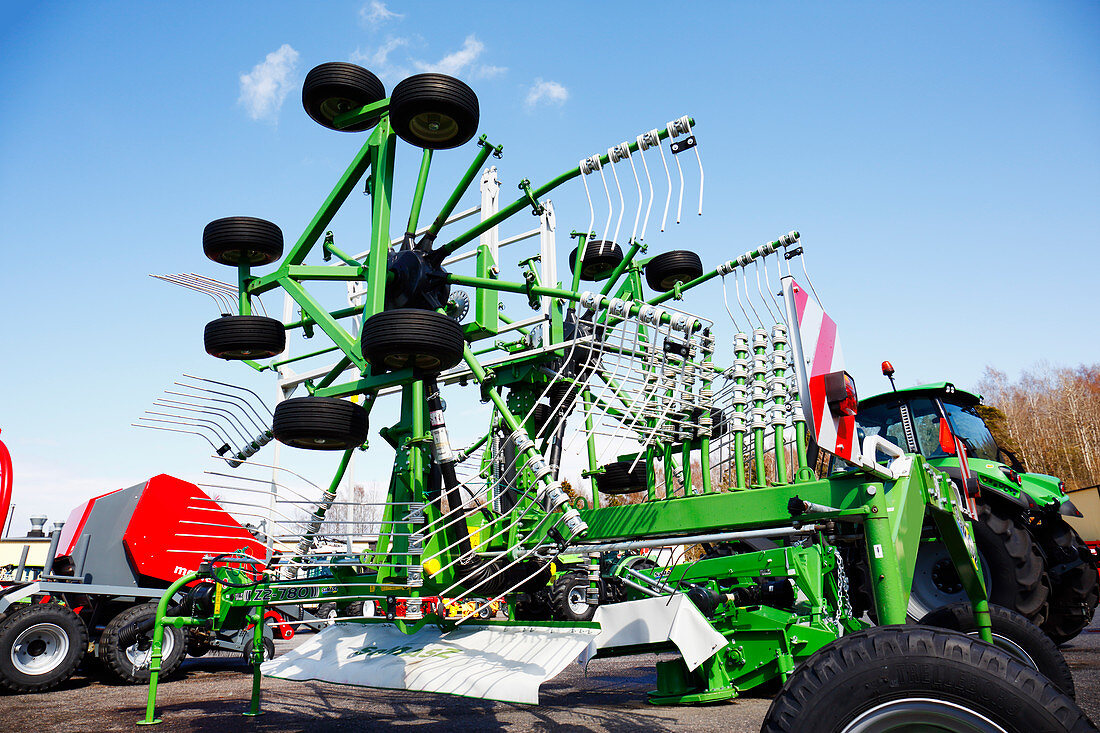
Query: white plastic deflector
492, 662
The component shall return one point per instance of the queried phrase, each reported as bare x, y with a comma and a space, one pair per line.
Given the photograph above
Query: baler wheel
237, 239
41, 645
600, 258
434, 111
413, 337
128, 652
244, 337
320, 423
335, 88
665, 270
866, 681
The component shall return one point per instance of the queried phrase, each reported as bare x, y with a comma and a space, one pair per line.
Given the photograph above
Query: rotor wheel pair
431, 111
424, 340
234, 241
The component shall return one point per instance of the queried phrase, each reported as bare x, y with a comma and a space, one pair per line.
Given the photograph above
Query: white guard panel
489, 662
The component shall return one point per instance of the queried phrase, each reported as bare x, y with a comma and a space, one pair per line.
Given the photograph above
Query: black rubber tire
198, 644
320, 423
426, 100
539, 417
269, 650
121, 663
412, 337
1009, 549
600, 258
326, 611
534, 607
949, 673
1075, 586
244, 337
41, 645
1017, 574
666, 269
617, 478
234, 239
337, 87
1014, 634
564, 595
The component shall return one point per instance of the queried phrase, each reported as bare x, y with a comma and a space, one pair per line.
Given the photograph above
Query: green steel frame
886, 516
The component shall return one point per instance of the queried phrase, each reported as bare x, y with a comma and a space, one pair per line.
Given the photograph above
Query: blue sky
942, 161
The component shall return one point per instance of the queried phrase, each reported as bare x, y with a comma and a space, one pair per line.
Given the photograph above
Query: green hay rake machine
702, 525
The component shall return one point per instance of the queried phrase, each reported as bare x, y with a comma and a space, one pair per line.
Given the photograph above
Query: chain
844, 606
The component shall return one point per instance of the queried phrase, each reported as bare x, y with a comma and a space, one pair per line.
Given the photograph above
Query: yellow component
475, 536
431, 566
217, 600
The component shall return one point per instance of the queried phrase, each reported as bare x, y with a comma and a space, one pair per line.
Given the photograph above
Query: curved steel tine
622, 201
645, 165
234, 386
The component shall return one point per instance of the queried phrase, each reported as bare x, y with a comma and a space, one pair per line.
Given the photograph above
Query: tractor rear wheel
242, 239
569, 597
244, 337
665, 270
332, 89
41, 645
413, 337
434, 111
320, 423
128, 652
600, 258
1075, 584
1014, 634
903, 678
1012, 567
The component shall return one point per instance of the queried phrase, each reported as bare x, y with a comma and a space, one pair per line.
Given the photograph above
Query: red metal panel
74, 525
176, 524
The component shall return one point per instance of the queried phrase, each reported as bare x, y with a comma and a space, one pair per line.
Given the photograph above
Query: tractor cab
939, 421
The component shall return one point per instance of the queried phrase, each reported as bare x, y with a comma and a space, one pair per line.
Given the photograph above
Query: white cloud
379, 62
454, 63
376, 12
264, 89
392, 67
546, 92
463, 62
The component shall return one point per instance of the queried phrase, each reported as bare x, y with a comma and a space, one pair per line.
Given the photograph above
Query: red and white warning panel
826, 391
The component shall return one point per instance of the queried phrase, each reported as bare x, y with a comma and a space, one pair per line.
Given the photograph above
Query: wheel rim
921, 715
578, 600
140, 653
434, 127
935, 583
40, 649
1003, 642
333, 107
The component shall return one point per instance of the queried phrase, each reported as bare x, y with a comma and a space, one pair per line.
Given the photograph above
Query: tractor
1032, 560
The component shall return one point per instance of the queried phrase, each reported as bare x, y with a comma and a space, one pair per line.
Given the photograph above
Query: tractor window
972, 430
932, 438
884, 420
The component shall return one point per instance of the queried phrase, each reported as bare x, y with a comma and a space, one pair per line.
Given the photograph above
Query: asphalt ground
211, 694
